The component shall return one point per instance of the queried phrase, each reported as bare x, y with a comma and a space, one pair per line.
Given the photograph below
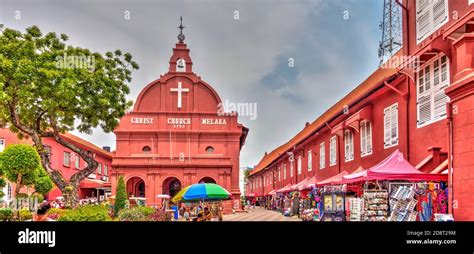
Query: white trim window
77, 161
390, 116
322, 155
292, 168
279, 174
310, 160
332, 151
106, 169
430, 16
66, 159
348, 145
300, 165
433, 78
284, 171
99, 168
365, 138
2, 144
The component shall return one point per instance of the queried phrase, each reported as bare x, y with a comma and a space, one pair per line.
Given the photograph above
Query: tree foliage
120, 196
21, 164
48, 87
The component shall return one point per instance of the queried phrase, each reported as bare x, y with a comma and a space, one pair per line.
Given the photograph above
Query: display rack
403, 203
376, 205
356, 208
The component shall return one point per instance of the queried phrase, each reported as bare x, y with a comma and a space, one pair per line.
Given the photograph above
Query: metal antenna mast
391, 30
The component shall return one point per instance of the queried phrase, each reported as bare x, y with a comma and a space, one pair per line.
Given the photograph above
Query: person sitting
199, 217
207, 214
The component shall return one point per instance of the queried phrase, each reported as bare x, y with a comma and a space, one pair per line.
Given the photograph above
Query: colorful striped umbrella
201, 192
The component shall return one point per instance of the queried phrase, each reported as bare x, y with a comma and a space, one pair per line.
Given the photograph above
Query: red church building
420, 102
174, 137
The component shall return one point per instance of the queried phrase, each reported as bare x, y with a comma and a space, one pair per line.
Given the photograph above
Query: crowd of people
201, 212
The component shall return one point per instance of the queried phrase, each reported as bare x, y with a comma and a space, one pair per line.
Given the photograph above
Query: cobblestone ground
259, 214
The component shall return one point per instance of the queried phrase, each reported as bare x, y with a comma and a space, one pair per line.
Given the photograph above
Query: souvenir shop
394, 190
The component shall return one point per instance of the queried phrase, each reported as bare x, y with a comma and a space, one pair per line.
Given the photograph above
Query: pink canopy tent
308, 184
360, 174
394, 167
333, 180
271, 193
299, 185
284, 189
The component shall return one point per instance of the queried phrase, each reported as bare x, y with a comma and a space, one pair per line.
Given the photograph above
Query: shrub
139, 213
6, 214
56, 213
120, 196
22, 196
24, 214
37, 196
160, 215
86, 213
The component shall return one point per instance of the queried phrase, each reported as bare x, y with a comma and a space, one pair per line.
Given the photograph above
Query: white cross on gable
179, 90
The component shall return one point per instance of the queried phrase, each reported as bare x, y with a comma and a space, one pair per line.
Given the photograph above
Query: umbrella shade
202, 191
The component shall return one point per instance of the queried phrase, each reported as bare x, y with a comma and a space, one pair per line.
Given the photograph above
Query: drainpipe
407, 104
450, 157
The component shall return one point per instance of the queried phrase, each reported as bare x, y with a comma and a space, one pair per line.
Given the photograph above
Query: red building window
349, 145
365, 138
433, 78
66, 159
390, 115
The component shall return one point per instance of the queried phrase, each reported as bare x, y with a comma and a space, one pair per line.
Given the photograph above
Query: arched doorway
135, 187
171, 186
207, 179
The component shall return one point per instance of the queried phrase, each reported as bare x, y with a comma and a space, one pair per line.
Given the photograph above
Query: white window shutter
369, 137
363, 138
424, 109
310, 160
440, 14
386, 129
440, 100
394, 124
423, 19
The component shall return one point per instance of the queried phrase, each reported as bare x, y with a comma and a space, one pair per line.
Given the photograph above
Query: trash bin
175, 212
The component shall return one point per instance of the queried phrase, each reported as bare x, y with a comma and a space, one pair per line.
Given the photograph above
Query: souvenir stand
332, 198
395, 191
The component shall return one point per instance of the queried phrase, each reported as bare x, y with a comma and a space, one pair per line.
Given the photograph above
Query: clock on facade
180, 65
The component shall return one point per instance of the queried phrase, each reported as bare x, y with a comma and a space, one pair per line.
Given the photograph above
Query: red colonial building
68, 162
174, 137
421, 102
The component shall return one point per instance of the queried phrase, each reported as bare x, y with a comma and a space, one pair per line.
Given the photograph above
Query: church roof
371, 83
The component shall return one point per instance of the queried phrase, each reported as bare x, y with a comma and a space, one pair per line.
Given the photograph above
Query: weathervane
181, 27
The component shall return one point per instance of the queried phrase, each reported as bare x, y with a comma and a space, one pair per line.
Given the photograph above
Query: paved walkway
259, 214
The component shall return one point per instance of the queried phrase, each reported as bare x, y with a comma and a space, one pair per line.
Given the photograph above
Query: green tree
48, 88
120, 196
43, 184
21, 164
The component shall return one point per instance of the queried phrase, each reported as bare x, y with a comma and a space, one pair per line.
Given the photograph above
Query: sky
293, 58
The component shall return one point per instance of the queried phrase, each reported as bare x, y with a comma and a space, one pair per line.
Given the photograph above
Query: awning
271, 193
94, 184
254, 194
284, 189
394, 167
333, 180
360, 174
309, 183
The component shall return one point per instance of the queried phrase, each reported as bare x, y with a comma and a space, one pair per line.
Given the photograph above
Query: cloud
245, 59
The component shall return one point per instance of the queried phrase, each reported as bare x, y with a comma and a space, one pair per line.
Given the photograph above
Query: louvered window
431, 99
390, 115
430, 16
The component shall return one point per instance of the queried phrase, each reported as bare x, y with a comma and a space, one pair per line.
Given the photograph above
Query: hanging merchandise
356, 208
403, 203
376, 205
333, 204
